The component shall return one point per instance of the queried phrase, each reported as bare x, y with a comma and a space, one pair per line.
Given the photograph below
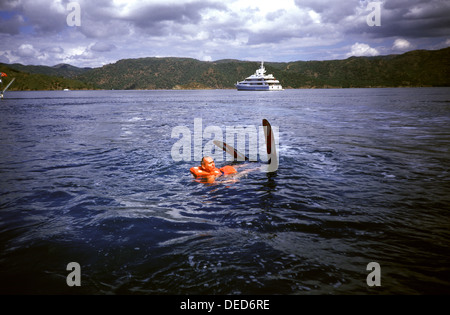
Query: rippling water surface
88, 177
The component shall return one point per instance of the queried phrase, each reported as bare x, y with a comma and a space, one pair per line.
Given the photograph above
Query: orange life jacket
198, 171
228, 169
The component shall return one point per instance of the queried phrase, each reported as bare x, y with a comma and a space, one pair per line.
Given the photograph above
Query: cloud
147, 18
360, 49
179, 13
26, 51
11, 25
102, 47
46, 17
272, 16
4, 58
401, 44
330, 11
414, 19
214, 29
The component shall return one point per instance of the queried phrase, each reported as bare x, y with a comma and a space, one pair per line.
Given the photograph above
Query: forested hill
413, 69
33, 78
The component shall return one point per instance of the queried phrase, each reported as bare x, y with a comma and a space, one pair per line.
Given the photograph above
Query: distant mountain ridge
34, 78
417, 68
60, 70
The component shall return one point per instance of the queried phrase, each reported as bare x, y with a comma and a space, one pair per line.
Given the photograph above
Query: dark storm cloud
401, 18
157, 19
406, 18
330, 11
153, 14
103, 18
213, 29
43, 17
415, 18
11, 25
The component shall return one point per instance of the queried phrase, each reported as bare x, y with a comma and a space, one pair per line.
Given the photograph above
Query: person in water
208, 169
207, 172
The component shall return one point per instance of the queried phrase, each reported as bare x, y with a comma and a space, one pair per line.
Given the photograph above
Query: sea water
88, 177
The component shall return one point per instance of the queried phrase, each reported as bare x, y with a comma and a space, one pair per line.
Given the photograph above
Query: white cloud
315, 17
401, 45
27, 51
361, 49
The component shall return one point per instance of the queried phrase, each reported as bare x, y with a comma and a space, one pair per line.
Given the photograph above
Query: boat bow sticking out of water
259, 81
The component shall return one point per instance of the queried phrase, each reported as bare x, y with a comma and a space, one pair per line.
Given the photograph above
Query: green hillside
60, 70
168, 73
412, 69
418, 68
26, 81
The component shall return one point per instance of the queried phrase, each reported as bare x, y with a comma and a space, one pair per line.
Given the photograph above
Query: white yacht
259, 82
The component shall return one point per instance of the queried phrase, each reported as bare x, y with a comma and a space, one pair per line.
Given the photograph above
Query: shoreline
227, 89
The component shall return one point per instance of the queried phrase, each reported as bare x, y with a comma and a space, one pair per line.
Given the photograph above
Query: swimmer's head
208, 163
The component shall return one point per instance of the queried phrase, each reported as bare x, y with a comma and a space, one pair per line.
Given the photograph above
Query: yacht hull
258, 88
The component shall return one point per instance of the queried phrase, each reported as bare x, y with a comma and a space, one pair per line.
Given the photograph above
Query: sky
91, 33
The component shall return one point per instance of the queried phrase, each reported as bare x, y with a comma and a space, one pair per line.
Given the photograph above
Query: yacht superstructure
259, 81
